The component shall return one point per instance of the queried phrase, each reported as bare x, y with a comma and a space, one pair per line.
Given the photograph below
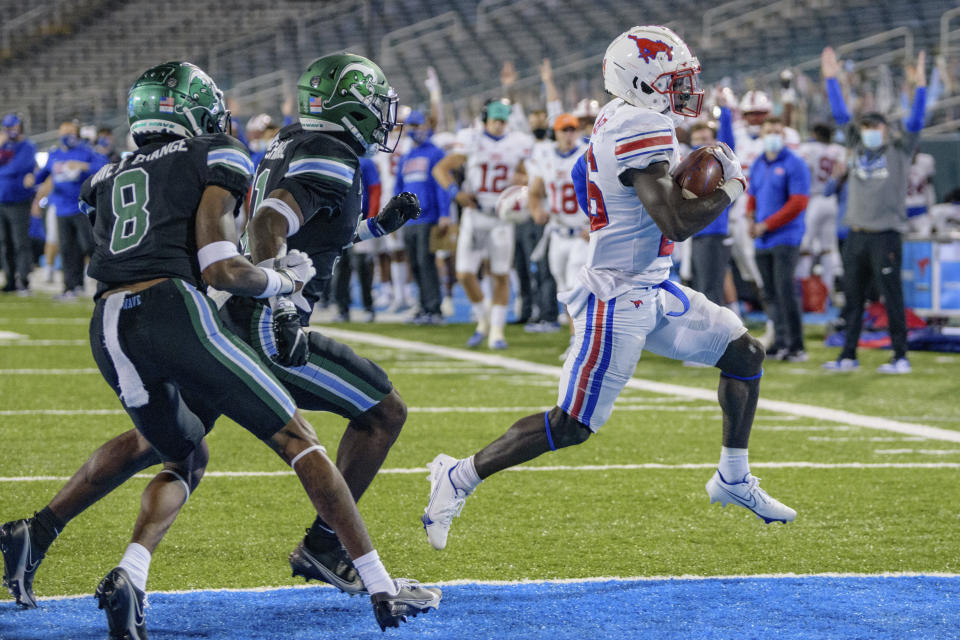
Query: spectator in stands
777, 197
16, 162
68, 165
879, 163
104, 145
359, 261
414, 174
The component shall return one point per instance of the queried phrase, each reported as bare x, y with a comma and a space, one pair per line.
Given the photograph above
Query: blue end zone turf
802, 607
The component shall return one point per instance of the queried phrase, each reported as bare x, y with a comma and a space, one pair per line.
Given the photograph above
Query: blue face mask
772, 143
420, 135
872, 138
69, 141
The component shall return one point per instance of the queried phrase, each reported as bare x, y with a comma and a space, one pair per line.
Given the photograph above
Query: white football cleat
446, 501
749, 495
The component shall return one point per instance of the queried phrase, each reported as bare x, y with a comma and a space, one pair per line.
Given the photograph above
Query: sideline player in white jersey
567, 225
623, 302
920, 193
820, 237
494, 160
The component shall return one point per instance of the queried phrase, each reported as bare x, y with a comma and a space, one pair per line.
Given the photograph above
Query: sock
398, 276
464, 475
44, 528
320, 537
136, 562
733, 466
498, 320
482, 312
374, 574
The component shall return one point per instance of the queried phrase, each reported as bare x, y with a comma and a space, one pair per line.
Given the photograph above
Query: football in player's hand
512, 205
699, 173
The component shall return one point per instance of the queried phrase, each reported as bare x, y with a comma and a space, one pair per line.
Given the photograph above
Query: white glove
301, 267
298, 267
734, 182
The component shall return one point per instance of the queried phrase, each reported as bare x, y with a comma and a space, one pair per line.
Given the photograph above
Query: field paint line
29, 321
6, 342
779, 406
803, 427
647, 466
110, 412
926, 452
892, 575
46, 372
879, 439
11, 335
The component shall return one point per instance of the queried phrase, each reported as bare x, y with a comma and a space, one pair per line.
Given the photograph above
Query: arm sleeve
374, 192
229, 165
398, 186
44, 172
21, 162
914, 123
751, 203
837, 105
793, 207
579, 176
725, 128
319, 175
88, 199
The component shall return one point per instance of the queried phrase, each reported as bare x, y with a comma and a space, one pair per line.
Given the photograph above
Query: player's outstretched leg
24, 543
362, 450
392, 600
452, 480
732, 483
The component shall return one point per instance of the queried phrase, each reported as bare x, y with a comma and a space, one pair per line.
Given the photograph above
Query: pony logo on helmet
635, 71
175, 99
650, 48
347, 92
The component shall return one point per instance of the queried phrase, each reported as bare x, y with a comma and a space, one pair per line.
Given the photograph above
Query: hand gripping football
699, 174
512, 205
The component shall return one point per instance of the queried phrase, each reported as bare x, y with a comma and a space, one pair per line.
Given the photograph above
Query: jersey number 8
131, 193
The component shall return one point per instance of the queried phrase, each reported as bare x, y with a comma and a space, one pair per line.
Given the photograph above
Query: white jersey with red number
491, 163
627, 249
387, 167
920, 195
822, 158
554, 169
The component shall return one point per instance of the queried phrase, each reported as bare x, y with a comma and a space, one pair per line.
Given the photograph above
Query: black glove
292, 342
402, 208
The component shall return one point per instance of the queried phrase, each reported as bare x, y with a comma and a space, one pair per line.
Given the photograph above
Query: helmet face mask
175, 99
347, 92
652, 67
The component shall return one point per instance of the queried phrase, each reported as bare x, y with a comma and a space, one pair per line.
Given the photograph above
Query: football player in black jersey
160, 344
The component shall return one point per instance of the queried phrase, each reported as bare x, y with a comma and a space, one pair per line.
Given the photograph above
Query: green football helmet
178, 99
347, 92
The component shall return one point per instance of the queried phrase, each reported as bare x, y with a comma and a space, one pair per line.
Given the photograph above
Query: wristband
281, 207
368, 229
733, 188
275, 283
215, 252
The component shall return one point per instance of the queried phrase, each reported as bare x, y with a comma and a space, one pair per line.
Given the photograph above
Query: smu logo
650, 48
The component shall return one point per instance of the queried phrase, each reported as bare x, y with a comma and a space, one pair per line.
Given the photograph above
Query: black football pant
777, 266
873, 256
423, 263
76, 243
710, 255
15, 242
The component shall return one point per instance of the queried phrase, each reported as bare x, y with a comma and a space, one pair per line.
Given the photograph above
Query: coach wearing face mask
776, 201
878, 164
68, 165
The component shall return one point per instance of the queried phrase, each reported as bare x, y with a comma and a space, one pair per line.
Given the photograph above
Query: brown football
699, 173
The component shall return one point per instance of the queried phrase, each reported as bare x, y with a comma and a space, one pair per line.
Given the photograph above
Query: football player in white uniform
389, 249
920, 193
623, 302
820, 237
566, 223
494, 160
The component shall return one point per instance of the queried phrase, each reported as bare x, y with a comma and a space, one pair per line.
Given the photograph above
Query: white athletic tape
281, 207
215, 252
316, 447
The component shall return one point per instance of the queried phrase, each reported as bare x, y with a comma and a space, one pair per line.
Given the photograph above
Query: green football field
875, 482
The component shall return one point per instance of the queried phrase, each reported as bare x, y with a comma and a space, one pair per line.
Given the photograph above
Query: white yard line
590, 580
6, 342
648, 466
29, 321
793, 408
46, 372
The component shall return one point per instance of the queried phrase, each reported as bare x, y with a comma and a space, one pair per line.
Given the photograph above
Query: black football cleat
123, 604
332, 566
21, 558
411, 600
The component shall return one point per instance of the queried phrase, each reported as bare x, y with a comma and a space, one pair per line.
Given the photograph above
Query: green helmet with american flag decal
178, 99
347, 92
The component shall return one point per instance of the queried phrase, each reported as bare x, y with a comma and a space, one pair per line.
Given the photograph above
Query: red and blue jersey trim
593, 360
